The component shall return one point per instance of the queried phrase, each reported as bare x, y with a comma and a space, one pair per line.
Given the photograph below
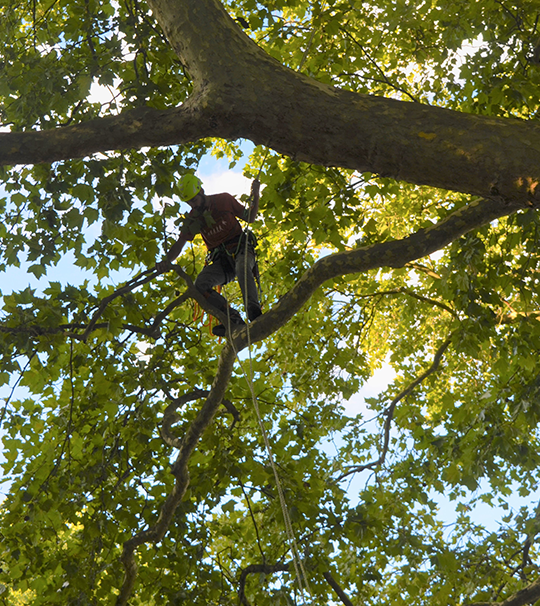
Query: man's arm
171, 255
176, 248
254, 208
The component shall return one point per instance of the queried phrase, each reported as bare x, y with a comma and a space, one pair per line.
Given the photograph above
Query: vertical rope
299, 568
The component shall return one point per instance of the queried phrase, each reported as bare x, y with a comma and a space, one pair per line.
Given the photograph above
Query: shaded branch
335, 586
180, 471
423, 268
252, 515
396, 253
516, 316
254, 569
8, 399
131, 129
389, 413
142, 278
528, 595
390, 254
231, 408
410, 293
170, 416
385, 78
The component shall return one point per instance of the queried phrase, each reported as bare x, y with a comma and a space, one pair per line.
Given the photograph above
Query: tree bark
241, 92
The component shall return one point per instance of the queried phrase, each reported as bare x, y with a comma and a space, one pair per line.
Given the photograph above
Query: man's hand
163, 265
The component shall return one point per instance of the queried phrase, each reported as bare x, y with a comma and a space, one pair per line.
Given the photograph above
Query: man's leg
215, 275
244, 272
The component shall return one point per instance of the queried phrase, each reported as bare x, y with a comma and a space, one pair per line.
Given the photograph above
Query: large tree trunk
240, 92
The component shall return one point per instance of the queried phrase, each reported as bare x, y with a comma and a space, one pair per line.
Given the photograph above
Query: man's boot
253, 312
235, 320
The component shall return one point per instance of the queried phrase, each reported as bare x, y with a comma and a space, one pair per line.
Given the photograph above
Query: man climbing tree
401, 146
231, 250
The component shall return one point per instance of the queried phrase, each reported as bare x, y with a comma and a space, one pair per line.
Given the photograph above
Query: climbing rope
297, 560
299, 568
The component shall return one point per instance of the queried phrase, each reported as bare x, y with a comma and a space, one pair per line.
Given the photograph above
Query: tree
138, 462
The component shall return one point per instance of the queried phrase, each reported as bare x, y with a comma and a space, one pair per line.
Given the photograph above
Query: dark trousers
224, 269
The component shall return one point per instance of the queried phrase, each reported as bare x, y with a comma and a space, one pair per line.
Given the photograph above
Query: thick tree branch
180, 471
132, 129
528, 595
241, 92
396, 253
170, 416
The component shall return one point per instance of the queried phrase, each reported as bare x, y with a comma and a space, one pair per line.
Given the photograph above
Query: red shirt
217, 223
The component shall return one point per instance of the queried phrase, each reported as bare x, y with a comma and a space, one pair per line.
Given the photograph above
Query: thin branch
379, 69
173, 305
142, 278
391, 408
8, 399
515, 316
411, 293
253, 520
426, 270
231, 408
308, 48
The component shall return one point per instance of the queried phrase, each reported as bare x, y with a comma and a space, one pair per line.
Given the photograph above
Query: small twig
379, 69
410, 293
425, 269
528, 595
234, 412
6, 403
308, 48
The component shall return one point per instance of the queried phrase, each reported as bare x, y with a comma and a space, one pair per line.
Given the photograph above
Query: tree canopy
151, 463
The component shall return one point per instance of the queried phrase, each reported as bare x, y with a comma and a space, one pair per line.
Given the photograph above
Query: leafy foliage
85, 457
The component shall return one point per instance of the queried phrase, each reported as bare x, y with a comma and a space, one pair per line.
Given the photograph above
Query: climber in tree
216, 219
